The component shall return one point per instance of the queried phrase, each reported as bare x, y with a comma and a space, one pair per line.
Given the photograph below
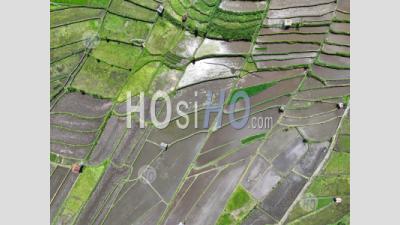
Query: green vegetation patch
195, 23
197, 27
211, 2
171, 15
225, 219
198, 11
57, 6
150, 4
239, 199
344, 221
82, 189
248, 67
339, 163
346, 99
64, 67
324, 201
343, 144
237, 208
253, 138
60, 71
145, 58
297, 212
203, 8
55, 158
234, 25
330, 186
139, 81
206, 19
327, 215
178, 7
198, 16
345, 128
230, 16
100, 79
118, 54
252, 90
94, 3
185, 3
124, 29
162, 37
335, 178
72, 33
65, 51
131, 10
72, 15
221, 29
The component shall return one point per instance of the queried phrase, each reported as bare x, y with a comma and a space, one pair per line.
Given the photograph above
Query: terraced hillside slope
298, 75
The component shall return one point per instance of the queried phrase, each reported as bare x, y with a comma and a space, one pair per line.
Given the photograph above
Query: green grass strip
252, 90
253, 138
237, 208
82, 189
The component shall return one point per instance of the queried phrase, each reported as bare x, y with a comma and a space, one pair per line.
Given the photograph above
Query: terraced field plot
297, 74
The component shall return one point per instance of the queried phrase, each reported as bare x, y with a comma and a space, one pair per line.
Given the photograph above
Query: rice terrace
278, 68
